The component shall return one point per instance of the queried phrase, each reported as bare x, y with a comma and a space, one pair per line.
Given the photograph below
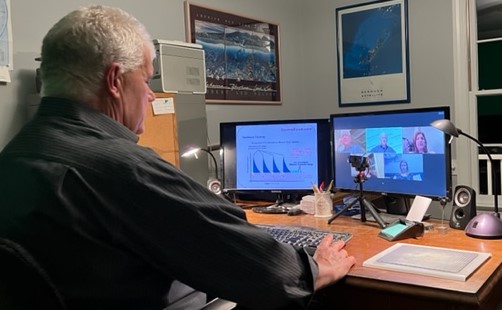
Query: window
486, 86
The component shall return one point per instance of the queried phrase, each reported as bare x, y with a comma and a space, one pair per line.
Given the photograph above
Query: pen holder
323, 204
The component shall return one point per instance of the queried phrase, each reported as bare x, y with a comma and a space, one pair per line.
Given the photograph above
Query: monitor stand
280, 206
396, 204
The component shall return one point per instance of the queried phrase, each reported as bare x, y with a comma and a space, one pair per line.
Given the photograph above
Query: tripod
363, 203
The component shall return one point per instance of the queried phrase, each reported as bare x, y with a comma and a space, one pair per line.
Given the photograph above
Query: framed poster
241, 55
372, 53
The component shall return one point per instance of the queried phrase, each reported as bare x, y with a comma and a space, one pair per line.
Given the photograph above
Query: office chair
182, 296
219, 304
24, 285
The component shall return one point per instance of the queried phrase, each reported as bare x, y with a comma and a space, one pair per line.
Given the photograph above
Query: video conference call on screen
402, 153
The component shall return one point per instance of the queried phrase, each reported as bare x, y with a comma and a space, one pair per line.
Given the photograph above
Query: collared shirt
114, 224
380, 149
352, 149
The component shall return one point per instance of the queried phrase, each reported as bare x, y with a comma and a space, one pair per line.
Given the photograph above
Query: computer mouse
295, 211
270, 210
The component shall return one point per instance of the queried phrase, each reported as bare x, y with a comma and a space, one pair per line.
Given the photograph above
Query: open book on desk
426, 260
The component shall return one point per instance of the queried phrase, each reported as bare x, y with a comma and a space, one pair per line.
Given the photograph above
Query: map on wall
5, 41
371, 37
372, 50
241, 56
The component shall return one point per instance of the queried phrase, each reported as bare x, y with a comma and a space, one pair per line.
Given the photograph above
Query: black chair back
24, 285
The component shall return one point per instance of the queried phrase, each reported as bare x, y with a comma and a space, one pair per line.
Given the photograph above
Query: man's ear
113, 80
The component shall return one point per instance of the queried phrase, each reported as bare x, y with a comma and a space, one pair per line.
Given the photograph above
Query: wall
308, 54
165, 20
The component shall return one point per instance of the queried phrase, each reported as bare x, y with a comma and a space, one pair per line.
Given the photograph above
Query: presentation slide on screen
276, 156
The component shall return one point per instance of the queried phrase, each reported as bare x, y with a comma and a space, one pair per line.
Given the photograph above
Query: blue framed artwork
241, 55
372, 53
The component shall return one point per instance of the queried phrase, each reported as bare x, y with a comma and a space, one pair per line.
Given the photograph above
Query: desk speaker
464, 206
214, 185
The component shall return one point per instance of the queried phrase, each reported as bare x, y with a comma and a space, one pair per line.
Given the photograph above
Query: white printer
178, 67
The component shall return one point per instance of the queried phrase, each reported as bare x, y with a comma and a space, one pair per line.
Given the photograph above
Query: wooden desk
370, 288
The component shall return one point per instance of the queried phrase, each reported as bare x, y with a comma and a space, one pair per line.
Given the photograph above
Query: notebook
426, 260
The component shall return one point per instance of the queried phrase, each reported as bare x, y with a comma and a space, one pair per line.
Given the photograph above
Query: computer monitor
404, 154
275, 156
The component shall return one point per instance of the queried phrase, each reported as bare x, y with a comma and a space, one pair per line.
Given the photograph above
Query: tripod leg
363, 208
331, 219
373, 212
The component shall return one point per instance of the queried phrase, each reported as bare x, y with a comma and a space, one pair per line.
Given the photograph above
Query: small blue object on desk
402, 229
349, 212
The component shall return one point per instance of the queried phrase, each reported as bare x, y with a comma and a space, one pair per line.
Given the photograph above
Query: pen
321, 186
315, 189
330, 186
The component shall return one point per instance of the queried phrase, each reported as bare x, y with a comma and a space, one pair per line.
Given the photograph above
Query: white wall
165, 20
308, 54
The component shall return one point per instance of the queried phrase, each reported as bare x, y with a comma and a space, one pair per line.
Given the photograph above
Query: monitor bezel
447, 150
324, 171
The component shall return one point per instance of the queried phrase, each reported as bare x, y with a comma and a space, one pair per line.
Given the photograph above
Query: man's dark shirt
114, 224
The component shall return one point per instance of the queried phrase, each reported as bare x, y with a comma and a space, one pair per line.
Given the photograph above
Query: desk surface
481, 290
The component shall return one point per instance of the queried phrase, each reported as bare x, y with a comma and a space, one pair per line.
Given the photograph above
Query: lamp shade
446, 126
482, 225
190, 150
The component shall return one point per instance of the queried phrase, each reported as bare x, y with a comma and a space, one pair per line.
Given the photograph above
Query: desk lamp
483, 225
213, 184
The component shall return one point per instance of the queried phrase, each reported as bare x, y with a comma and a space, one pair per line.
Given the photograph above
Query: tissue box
307, 204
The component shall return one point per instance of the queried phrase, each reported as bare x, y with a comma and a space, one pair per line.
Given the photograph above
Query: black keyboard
302, 236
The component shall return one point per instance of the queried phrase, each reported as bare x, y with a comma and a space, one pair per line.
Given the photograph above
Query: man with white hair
114, 225
346, 145
383, 147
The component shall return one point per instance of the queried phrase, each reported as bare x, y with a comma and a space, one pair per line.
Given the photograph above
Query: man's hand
333, 261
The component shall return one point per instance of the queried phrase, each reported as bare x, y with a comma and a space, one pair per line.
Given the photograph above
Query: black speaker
214, 185
464, 206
